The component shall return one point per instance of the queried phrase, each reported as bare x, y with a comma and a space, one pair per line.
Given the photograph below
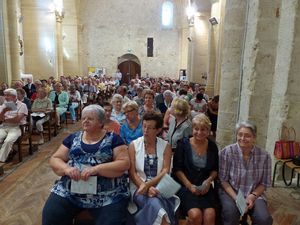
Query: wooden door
129, 69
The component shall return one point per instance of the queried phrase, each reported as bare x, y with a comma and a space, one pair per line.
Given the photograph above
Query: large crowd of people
139, 132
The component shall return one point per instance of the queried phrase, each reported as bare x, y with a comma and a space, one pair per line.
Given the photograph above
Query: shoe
41, 141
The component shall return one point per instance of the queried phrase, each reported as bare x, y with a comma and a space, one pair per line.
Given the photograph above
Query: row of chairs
51, 129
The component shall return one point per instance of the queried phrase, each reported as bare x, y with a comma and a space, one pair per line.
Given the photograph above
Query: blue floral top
109, 190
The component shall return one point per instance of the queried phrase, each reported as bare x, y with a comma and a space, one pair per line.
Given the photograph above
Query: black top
183, 161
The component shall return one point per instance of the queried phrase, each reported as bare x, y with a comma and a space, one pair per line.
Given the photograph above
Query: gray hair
116, 97
168, 92
246, 124
96, 108
10, 91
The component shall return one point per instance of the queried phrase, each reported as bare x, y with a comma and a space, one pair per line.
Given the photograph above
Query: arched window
167, 14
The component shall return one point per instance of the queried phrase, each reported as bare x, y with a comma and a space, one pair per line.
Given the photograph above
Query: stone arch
129, 65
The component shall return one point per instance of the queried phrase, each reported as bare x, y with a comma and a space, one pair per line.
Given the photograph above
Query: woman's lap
58, 210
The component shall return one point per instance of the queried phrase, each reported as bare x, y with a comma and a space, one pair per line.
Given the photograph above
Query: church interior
247, 52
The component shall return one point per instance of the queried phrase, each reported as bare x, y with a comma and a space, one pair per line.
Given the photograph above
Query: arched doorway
129, 65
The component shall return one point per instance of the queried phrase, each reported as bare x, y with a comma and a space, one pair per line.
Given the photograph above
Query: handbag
287, 147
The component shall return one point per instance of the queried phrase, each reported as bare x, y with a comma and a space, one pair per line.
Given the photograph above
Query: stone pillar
4, 75
213, 48
39, 39
59, 46
15, 37
285, 104
234, 26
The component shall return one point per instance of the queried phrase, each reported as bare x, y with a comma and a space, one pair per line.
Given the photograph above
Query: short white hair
10, 91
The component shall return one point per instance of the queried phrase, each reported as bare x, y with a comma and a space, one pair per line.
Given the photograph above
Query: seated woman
150, 159
110, 125
149, 105
117, 114
247, 168
40, 106
180, 125
132, 128
195, 166
75, 98
96, 156
61, 100
198, 105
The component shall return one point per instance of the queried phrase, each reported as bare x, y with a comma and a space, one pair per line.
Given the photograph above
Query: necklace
150, 165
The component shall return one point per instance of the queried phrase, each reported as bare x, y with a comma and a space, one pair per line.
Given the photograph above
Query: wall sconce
190, 12
213, 21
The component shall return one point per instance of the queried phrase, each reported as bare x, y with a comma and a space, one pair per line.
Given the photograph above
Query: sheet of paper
38, 114
167, 186
85, 187
241, 202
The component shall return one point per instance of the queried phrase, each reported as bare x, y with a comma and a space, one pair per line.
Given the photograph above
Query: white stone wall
110, 29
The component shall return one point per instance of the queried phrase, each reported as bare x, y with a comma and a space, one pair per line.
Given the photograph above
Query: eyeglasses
128, 111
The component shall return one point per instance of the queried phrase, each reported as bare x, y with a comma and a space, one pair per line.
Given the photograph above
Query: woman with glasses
245, 168
117, 114
132, 128
150, 159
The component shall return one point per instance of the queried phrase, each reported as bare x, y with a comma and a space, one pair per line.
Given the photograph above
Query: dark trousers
231, 216
60, 211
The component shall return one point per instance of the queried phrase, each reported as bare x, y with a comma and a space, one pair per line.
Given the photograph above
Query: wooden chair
26, 132
51, 124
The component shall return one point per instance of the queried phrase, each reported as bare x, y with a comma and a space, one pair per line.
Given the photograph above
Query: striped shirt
245, 175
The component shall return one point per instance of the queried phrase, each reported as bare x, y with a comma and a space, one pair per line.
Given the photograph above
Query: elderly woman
195, 166
40, 106
245, 168
38, 84
92, 163
150, 159
180, 125
148, 103
132, 128
167, 101
117, 114
61, 100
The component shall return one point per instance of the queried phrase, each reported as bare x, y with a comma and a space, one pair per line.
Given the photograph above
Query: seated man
12, 114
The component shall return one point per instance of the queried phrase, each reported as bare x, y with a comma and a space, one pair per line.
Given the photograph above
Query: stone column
258, 65
285, 104
15, 38
213, 48
59, 46
4, 42
234, 26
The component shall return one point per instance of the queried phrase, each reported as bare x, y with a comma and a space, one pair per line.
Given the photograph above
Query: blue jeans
58, 210
72, 110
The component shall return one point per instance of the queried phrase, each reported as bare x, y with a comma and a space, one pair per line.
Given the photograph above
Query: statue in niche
21, 52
